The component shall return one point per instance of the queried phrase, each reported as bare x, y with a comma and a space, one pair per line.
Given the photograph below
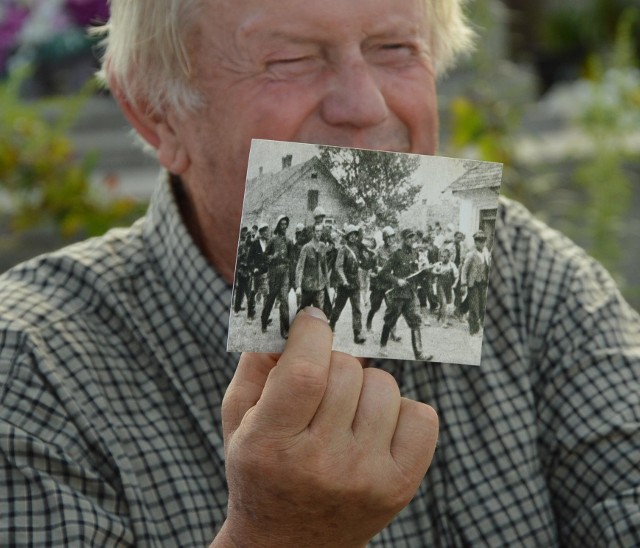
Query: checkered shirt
113, 368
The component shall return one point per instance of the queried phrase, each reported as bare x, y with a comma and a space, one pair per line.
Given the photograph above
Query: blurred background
553, 93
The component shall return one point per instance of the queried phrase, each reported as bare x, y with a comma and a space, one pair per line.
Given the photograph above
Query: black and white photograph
395, 249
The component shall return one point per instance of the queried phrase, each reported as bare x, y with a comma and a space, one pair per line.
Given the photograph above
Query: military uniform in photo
312, 275
348, 282
402, 297
259, 268
280, 256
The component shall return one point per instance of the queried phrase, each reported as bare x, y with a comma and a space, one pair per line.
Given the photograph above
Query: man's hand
402, 282
319, 451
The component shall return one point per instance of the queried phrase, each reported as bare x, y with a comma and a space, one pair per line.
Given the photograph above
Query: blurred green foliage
590, 27
45, 181
603, 110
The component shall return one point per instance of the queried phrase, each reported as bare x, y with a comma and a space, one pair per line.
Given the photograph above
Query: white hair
146, 48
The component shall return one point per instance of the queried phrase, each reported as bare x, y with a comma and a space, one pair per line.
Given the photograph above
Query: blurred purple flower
87, 12
13, 17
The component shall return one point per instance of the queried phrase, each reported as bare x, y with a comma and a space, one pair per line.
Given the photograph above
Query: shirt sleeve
589, 409
56, 487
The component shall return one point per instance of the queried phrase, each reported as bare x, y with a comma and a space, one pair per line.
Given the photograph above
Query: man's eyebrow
395, 30
293, 36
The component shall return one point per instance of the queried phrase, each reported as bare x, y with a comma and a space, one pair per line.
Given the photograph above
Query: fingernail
316, 313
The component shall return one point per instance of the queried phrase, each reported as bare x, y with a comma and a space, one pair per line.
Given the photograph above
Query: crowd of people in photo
424, 276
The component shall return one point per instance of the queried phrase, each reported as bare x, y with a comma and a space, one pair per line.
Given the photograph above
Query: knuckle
383, 380
307, 377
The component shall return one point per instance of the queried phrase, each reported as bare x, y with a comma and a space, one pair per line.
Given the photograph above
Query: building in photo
477, 191
297, 190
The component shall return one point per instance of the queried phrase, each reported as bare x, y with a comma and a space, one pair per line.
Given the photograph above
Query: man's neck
216, 237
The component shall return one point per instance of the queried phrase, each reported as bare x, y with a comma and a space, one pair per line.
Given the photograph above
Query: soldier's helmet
351, 229
282, 217
262, 226
299, 227
319, 212
388, 231
407, 233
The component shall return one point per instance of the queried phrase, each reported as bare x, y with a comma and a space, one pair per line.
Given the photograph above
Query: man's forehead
300, 21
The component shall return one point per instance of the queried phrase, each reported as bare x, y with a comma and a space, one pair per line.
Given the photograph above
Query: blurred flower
12, 19
32, 23
88, 12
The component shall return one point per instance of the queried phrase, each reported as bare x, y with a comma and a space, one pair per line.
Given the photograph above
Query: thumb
296, 386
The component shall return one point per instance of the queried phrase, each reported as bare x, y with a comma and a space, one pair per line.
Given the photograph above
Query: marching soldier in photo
367, 259
473, 281
446, 275
460, 249
319, 215
378, 286
280, 256
312, 275
259, 269
400, 272
243, 274
331, 240
348, 281
298, 244
428, 255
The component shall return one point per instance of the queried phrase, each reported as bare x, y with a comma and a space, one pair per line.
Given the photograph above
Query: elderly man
113, 363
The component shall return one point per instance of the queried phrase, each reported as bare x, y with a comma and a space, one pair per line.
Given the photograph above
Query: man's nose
354, 97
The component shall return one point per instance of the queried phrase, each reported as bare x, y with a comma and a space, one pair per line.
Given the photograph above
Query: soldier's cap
299, 227
262, 226
407, 233
350, 229
318, 211
480, 235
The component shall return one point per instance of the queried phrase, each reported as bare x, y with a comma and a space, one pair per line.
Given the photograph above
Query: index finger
245, 388
297, 384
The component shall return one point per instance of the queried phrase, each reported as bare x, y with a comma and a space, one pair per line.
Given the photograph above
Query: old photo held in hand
394, 248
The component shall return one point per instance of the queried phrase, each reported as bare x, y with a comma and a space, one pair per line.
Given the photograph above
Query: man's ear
157, 130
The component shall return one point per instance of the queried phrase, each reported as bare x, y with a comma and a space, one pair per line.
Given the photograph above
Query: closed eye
393, 54
292, 67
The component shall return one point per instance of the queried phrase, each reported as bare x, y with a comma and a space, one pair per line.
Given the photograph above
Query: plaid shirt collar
193, 283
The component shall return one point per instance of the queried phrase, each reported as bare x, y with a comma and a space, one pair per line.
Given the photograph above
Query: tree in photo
378, 182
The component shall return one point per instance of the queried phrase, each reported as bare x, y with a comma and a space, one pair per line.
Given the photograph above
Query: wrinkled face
340, 72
